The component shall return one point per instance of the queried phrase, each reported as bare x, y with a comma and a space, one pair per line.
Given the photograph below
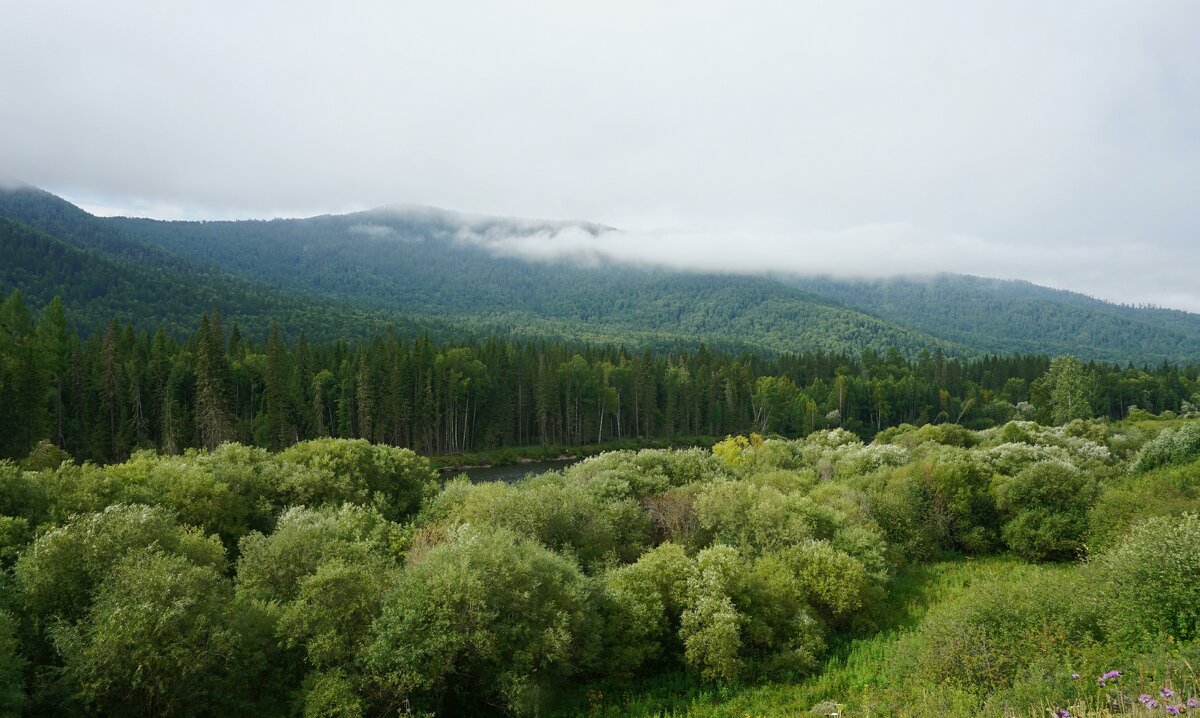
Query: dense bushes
159, 638
487, 617
1126, 500
336, 578
12, 695
999, 630
1149, 585
1171, 446
1045, 507
1030, 633
393, 480
58, 575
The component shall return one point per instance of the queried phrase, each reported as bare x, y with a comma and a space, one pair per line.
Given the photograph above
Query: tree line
104, 395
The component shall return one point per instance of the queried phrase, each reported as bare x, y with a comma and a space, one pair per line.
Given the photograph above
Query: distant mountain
1004, 316
50, 247
415, 261
349, 275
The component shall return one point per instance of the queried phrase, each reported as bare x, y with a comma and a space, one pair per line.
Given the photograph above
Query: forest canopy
103, 396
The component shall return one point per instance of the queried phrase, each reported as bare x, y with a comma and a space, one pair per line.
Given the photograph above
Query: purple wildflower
1144, 698
1062, 713
1151, 704
1193, 703
1110, 676
1166, 692
1172, 710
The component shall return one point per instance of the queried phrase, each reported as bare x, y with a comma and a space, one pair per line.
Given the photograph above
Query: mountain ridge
402, 262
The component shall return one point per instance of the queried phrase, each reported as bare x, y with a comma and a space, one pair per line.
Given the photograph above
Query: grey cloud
1058, 142
1117, 273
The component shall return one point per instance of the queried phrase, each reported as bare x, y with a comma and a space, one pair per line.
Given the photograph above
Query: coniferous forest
103, 396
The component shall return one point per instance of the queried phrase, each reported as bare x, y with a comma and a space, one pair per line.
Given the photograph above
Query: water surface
510, 473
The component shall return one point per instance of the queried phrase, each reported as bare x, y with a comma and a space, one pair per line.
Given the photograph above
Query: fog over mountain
1057, 143
872, 251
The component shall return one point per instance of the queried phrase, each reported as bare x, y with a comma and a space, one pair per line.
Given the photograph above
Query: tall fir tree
212, 408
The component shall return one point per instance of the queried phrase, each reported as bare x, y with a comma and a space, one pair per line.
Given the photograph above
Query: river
511, 472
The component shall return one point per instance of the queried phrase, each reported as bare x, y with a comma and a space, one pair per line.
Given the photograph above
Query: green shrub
944, 434
999, 629
1171, 446
1148, 587
160, 636
755, 519
73, 490
830, 579
940, 501
711, 626
392, 479
220, 493
485, 618
332, 613
45, 456
22, 494
1045, 508
901, 506
60, 571
785, 481
15, 535
781, 636
330, 694
1168, 491
747, 620
274, 567
651, 471
593, 522
12, 665
635, 619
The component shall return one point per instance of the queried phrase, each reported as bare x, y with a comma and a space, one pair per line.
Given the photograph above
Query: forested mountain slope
409, 262
100, 274
414, 260
1002, 316
351, 274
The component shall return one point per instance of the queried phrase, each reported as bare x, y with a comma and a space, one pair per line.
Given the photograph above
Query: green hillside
95, 289
408, 264
1002, 316
412, 260
347, 275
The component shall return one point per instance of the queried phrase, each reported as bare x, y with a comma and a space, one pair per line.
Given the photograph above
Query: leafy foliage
446, 635
1149, 585
1046, 509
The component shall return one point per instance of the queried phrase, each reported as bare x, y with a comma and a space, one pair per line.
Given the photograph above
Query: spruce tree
212, 412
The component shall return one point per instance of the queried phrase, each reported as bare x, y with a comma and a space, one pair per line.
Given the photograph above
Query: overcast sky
1052, 141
